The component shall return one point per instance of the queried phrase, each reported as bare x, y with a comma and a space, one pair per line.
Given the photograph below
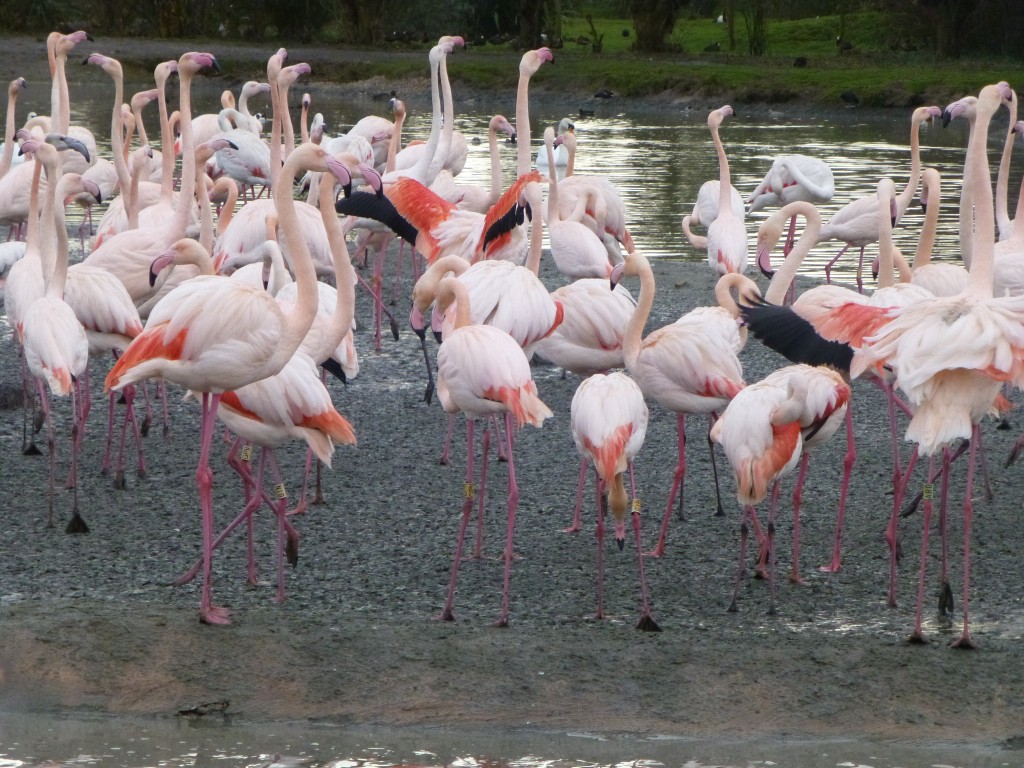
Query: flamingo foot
733, 608
966, 642
501, 623
647, 623
795, 578
144, 427
291, 549
658, 550
832, 567
917, 638
215, 614
76, 524
572, 529
445, 615
119, 482
31, 450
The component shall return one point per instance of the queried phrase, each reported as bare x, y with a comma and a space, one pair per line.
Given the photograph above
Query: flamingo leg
51, 445
599, 535
677, 486
285, 541
744, 534
467, 510
770, 549
513, 502
892, 531
208, 612
828, 267
646, 622
446, 450
719, 511
945, 590
966, 641
478, 548
848, 462
917, 636
577, 515
798, 493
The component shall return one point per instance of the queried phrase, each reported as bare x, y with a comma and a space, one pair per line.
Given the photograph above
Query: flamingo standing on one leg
609, 423
482, 371
727, 235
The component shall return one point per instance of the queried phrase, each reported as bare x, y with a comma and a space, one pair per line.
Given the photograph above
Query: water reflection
127, 743
660, 158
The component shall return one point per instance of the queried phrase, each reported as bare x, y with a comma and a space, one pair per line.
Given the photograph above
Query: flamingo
856, 223
951, 354
213, 335
576, 250
709, 197
727, 235
940, 278
690, 366
791, 178
609, 422
7, 156
481, 371
764, 430
54, 341
129, 254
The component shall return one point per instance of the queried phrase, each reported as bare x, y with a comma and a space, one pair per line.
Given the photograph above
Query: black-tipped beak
152, 278
437, 336
513, 138
946, 118
621, 543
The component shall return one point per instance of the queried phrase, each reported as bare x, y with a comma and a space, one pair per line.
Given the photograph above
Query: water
128, 743
659, 160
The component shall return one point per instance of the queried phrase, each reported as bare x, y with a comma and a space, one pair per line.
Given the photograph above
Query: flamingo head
17, 84
61, 143
965, 107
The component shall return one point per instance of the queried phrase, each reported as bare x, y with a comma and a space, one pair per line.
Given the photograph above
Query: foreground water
202, 743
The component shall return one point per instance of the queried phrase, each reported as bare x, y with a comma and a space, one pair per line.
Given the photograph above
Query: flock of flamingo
228, 305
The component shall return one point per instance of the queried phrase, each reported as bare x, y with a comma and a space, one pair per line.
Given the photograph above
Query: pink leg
647, 622
917, 636
892, 532
280, 507
599, 535
513, 502
467, 510
945, 590
798, 491
744, 534
208, 612
446, 450
677, 486
478, 548
965, 640
860, 271
848, 461
828, 267
51, 444
577, 515
770, 558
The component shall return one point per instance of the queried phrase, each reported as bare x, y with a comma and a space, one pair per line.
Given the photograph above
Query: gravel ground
90, 625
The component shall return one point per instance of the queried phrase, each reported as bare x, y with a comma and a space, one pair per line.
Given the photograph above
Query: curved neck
117, 143
227, 210
907, 194
449, 288
344, 273
632, 338
444, 146
166, 142
926, 242
287, 129
395, 144
425, 289
186, 194
724, 180
421, 171
886, 269
297, 321
787, 272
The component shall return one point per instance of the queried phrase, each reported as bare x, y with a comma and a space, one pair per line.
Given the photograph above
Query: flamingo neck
344, 273
444, 147
533, 194
492, 146
724, 179
298, 321
186, 195
786, 273
166, 143
55, 268
124, 177
632, 338
273, 69
63, 106
981, 270
395, 145
907, 193
421, 171
1003, 175
926, 242
523, 159
9, 128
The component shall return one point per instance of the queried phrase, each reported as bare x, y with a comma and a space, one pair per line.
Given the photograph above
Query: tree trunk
654, 21
531, 24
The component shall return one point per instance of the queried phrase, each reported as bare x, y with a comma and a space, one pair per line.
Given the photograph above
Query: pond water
124, 742
658, 159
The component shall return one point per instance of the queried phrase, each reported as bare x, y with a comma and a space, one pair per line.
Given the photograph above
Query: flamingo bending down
481, 372
609, 422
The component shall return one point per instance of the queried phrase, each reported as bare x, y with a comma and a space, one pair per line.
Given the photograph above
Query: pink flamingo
690, 366
213, 335
856, 223
54, 341
609, 422
482, 371
951, 354
763, 431
727, 235
14, 89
